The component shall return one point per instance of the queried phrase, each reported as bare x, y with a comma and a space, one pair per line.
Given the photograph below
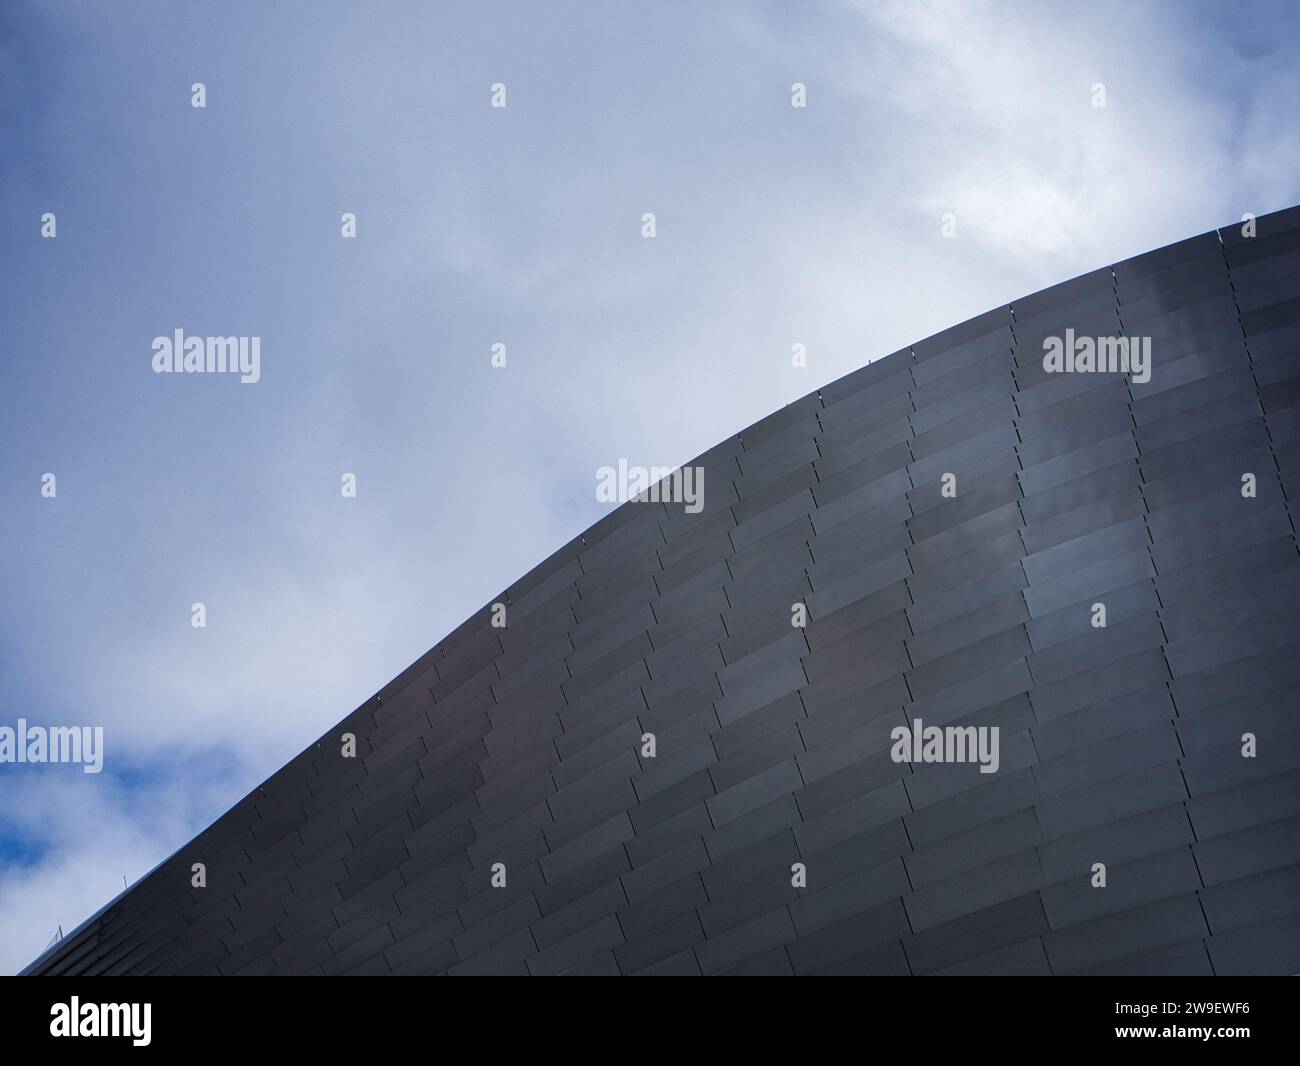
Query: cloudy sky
477, 226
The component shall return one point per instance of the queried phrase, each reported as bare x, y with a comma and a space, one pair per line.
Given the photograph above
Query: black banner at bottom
343, 1016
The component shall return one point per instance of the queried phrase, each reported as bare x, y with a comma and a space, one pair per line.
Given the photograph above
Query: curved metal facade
1119, 745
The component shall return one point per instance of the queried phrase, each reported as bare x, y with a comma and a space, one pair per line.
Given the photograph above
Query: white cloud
92, 833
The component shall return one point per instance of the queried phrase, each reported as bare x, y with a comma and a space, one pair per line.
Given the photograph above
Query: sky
479, 225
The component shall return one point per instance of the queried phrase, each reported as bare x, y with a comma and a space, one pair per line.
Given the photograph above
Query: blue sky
775, 226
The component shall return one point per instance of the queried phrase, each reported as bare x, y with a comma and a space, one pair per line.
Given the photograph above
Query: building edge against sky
949, 518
